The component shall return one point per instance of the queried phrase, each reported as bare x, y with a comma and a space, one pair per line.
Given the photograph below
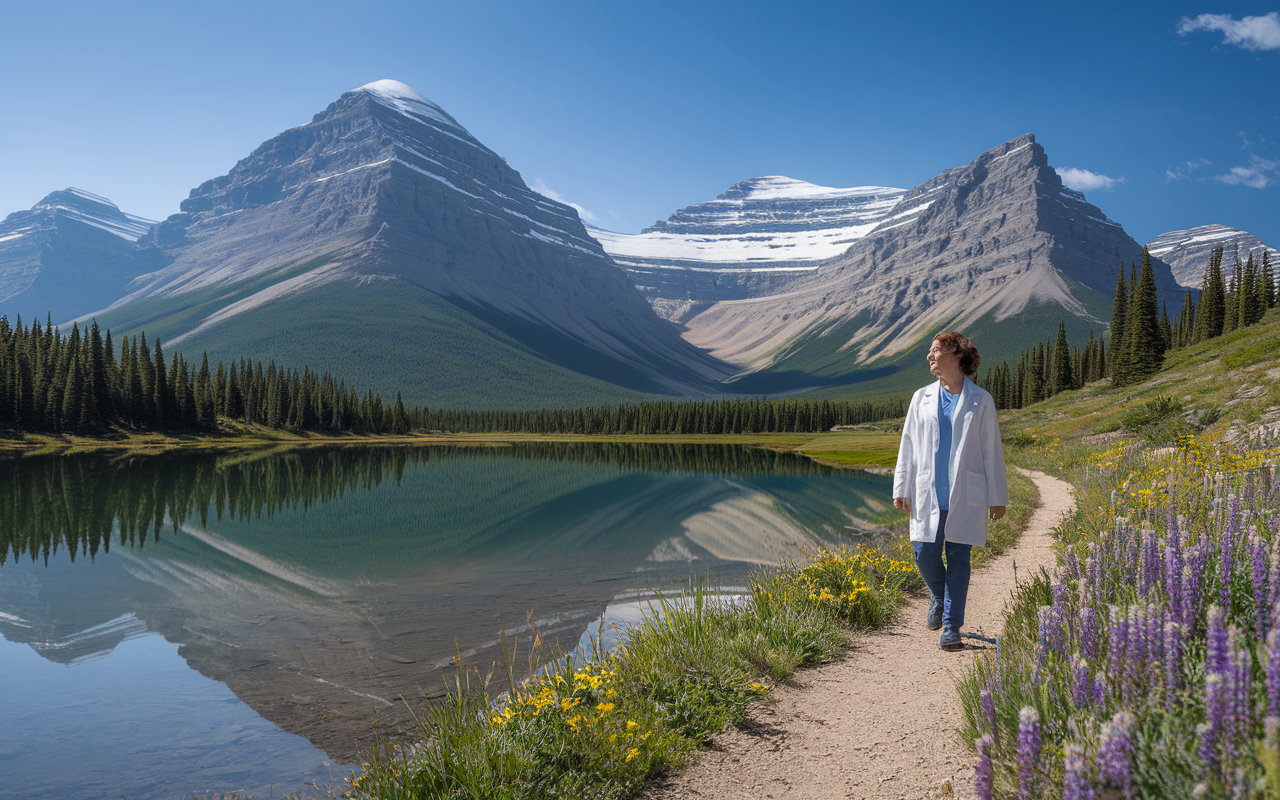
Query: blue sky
632, 110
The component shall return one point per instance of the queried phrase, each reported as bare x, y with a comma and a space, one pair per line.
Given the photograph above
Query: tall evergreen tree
1144, 342
1212, 311
1063, 377
1119, 310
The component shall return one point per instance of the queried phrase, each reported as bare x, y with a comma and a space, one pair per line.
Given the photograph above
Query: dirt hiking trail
881, 721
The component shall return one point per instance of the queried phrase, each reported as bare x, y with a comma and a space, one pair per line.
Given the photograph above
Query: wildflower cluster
860, 585
1150, 667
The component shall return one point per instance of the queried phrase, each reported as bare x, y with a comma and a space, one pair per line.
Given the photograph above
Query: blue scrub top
942, 458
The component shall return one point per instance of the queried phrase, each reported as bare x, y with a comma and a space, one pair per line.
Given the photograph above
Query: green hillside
438, 355
816, 364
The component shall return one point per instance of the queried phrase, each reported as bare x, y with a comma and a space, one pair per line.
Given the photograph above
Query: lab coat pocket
922, 501
977, 488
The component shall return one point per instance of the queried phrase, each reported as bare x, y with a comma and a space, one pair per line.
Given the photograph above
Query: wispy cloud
543, 189
1259, 174
1183, 171
1250, 33
1083, 180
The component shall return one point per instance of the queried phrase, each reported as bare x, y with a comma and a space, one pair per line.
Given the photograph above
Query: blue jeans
950, 581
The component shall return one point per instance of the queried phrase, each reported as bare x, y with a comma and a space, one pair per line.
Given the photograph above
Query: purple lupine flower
1115, 753
1028, 752
1172, 662
1134, 655
1100, 690
1116, 636
1083, 684
1088, 631
988, 705
1058, 612
1150, 561
1216, 640
1211, 729
1260, 594
1190, 592
1224, 570
1075, 783
1273, 581
1172, 574
1240, 706
1273, 673
1042, 638
982, 770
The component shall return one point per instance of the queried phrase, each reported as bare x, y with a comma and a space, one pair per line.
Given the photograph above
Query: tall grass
1150, 666
687, 670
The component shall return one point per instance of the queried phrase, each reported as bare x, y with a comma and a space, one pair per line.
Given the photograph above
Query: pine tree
161, 395
1211, 313
1119, 310
1144, 342
1063, 377
1254, 303
205, 414
1186, 321
1271, 291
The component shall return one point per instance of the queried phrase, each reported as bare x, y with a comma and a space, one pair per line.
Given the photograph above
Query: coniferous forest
1141, 332
84, 383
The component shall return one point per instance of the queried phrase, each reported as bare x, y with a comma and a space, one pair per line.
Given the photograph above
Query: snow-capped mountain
998, 248
72, 253
385, 214
1187, 252
755, 238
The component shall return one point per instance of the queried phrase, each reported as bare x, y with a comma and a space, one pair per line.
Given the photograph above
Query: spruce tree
1144, 342
1063, 378
1211, 313
1119, 310
161, 396
1270, 289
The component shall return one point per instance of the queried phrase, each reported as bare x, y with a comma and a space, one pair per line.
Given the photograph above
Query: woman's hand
902, 504
996, 512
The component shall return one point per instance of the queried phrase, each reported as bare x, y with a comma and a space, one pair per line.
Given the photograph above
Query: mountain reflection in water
322, 585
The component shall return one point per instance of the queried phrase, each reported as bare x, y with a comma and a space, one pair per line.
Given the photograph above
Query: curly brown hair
959, 344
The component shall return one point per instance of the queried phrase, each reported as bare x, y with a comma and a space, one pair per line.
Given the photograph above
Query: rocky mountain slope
754, 239
1187, 252
382, 241
72, 253
998, 248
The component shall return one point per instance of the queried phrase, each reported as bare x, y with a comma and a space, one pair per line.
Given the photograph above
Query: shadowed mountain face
1187, 252
999, 240
71, 254
384, 198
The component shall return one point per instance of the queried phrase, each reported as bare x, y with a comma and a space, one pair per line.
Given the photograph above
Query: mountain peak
407, 100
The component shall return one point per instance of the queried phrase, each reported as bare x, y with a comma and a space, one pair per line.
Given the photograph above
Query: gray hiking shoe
935, 613
951, 641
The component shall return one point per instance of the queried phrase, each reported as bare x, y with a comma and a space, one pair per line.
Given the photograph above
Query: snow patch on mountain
408, 100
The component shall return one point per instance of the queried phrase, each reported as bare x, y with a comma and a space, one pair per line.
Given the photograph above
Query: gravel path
881, 721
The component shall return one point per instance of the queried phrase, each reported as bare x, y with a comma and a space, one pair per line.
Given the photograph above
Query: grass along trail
882, 721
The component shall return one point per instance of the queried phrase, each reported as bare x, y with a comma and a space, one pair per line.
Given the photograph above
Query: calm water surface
183, 624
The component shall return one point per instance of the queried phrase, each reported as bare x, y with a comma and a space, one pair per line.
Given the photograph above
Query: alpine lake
187, 624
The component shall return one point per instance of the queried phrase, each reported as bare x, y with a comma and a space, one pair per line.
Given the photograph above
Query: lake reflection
321, 586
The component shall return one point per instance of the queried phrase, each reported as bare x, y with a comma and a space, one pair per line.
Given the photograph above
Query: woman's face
942, 359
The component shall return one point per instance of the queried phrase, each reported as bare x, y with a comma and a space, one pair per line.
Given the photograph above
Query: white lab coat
976, 464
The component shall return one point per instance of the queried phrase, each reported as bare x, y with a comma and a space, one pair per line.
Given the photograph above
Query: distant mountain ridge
999, 243
1187, 252
756, 238
71, 253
